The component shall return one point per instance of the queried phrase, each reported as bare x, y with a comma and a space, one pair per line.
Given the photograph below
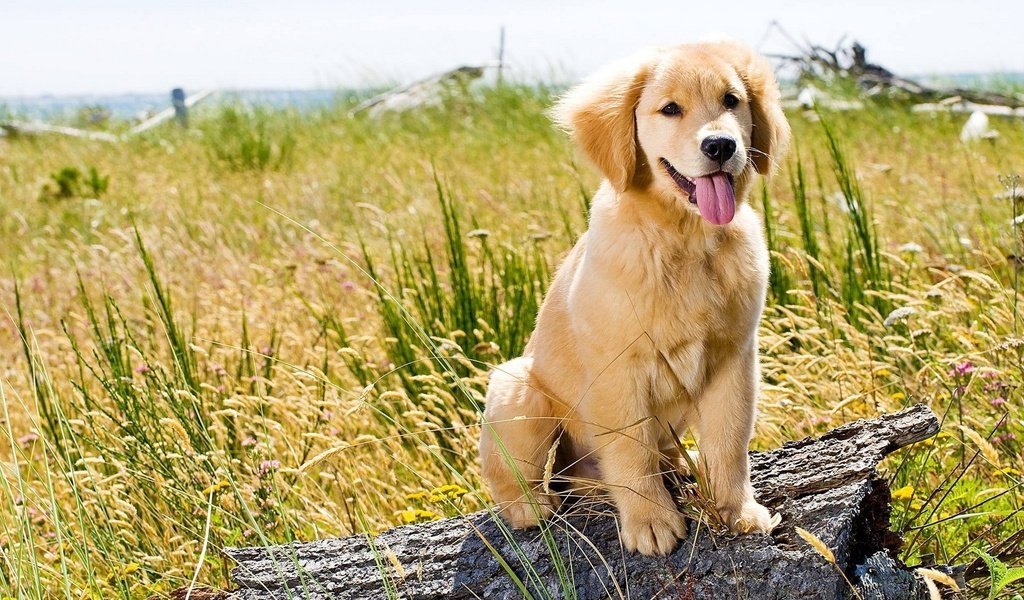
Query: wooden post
501, 56
180, 109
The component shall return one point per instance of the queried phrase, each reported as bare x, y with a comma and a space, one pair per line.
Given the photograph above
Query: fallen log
828, 486
34, 128
419, 93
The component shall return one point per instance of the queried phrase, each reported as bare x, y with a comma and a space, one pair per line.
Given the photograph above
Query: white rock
806, 96
976, 128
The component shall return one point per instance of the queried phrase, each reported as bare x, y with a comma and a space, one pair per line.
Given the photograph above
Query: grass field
195, 353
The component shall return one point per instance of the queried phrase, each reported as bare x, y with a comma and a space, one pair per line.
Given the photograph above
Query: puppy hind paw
524, 515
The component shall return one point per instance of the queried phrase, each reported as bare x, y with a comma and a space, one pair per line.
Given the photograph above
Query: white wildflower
900, 314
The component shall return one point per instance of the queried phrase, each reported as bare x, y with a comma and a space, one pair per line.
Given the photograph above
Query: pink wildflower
268, 466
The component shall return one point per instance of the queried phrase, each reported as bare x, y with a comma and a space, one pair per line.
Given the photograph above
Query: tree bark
828, 486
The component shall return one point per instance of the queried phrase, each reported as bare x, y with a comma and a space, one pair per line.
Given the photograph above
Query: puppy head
693, 122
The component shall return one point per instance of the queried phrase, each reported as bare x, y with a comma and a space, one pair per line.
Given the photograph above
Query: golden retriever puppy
650, 324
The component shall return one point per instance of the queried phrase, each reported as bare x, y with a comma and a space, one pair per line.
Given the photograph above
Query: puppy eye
730, 101
671, 109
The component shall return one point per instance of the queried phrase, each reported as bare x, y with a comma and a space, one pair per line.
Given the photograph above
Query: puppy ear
770, 132
599, 114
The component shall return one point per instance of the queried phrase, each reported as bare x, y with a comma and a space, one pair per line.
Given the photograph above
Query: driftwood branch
850, 61
828, 486
168, 113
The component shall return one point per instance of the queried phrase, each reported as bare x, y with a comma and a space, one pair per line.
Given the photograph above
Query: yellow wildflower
447, 492
903, 494
124, 571
417, 515
220, 485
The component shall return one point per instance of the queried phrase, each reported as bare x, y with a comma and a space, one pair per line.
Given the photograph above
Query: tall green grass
862, 275
142, 445
249, 139
805, 213
780, 281
477, 299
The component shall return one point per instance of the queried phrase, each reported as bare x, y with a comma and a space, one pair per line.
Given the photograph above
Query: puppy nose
718, 148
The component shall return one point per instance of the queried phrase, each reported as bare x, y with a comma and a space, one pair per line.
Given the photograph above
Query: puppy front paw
522, 514
750, 517
653, 532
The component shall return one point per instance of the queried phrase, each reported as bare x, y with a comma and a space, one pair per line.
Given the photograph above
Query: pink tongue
715, 198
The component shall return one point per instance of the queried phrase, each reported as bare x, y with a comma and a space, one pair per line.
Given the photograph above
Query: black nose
718, 148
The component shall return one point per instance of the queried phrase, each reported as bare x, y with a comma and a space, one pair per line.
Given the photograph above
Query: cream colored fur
651, 321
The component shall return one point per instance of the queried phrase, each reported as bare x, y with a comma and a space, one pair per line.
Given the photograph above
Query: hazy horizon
114, 47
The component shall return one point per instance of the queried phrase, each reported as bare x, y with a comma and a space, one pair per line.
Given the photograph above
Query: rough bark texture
828, 486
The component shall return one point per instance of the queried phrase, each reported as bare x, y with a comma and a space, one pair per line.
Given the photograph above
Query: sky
120, 46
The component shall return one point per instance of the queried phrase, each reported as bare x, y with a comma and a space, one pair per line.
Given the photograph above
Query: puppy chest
676, 373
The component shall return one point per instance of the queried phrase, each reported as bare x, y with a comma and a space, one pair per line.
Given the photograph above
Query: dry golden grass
250, 415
